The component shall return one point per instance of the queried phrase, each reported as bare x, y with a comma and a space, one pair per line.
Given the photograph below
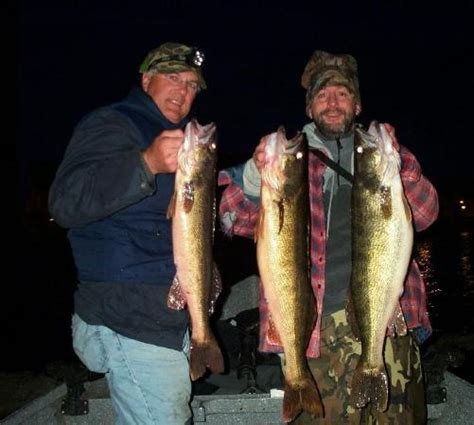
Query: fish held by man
283, 261
192, 210
382, 241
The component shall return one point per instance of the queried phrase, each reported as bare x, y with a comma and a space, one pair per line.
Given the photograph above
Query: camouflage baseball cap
327, 69
175, 57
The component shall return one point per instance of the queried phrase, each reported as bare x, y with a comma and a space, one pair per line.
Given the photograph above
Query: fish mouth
277, 150
208, 128
376, 138
376, 130
199, 146
379, 135
368, 138
289, 146
196, 134
277, 144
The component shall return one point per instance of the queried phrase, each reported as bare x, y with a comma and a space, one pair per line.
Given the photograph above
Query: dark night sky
414, 65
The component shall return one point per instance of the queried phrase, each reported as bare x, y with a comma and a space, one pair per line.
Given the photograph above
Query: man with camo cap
333, 102
112, 192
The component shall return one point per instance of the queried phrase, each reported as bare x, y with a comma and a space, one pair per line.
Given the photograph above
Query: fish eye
359, 149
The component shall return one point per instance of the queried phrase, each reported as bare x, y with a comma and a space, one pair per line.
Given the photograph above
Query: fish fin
281, 214
188, 196
386, 201
303, 397
216, 288
407, 209
369, 385
171, 206
259, 227
214, 213
352, 320
176, 299
397, 323
203, 356
272, 333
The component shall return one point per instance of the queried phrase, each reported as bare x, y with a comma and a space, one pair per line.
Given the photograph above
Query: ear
357, 109
145, 81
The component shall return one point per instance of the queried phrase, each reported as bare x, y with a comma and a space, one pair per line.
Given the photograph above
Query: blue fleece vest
134, 244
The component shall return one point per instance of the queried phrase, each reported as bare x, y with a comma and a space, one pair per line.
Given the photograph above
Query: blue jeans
148, 384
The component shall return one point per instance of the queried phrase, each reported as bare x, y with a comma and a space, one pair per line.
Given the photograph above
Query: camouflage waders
333, 373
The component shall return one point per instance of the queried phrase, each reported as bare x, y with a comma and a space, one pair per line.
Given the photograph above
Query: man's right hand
162, 155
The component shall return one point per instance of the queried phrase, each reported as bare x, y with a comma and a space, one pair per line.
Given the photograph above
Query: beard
334, 130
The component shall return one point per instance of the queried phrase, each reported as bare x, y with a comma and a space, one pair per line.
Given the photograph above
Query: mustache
332, 110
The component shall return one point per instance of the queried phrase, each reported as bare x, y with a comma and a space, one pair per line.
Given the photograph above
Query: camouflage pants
333, 373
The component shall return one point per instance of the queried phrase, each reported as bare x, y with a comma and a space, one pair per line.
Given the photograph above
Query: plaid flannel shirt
239, 215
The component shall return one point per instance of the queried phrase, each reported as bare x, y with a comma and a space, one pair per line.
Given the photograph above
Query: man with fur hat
332, 103
112, 192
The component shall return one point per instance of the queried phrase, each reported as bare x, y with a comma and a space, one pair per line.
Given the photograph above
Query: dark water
445, 255
446, 258
37, 308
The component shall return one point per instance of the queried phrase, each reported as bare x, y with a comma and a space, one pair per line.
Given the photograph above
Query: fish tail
369, 385
205, 356
303, 397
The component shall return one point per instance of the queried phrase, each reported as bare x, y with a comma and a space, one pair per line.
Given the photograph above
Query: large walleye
382, 240
283, 261
192, 209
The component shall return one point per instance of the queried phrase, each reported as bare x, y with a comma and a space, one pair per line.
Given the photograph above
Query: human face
333, 110
172, 93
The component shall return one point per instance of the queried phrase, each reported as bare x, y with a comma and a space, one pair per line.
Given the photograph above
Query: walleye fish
283, 261
192, 210
382, 241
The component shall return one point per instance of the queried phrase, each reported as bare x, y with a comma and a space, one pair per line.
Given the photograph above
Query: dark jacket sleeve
102, 171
